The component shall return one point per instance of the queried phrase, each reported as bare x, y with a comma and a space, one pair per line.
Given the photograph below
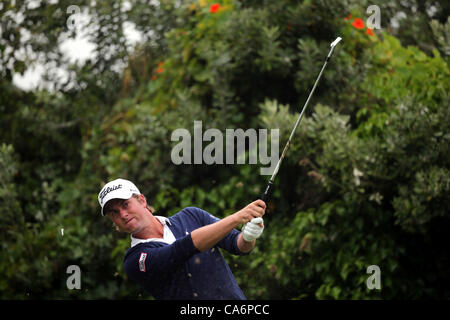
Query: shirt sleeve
150, 262
229, 242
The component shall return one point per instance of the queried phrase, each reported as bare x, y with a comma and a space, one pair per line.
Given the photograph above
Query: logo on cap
108, 190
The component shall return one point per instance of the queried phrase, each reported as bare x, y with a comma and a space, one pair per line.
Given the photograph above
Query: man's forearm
208, 236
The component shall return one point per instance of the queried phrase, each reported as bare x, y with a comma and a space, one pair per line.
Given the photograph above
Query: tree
365, 181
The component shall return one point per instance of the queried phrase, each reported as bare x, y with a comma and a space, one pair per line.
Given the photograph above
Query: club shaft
286, 147
267, 192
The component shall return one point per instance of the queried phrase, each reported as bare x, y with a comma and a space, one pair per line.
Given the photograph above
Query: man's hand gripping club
207, 236
252, 230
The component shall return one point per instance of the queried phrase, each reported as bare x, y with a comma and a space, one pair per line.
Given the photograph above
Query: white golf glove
252, 230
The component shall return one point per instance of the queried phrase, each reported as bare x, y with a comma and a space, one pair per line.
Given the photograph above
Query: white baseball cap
117, 189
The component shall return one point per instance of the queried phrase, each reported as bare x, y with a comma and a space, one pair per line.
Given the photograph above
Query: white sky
77, 50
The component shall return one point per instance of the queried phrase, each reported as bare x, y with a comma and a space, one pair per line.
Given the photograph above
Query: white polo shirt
168, 236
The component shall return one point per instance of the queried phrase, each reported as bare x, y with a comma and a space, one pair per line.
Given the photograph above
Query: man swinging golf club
178, 257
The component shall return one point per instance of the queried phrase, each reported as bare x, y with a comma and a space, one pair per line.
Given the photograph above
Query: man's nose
123, 213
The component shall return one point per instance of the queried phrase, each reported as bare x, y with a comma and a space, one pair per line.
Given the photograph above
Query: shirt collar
165, 222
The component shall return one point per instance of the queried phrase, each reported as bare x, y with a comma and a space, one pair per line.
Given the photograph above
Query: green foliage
365, 182
441, 33
400, 73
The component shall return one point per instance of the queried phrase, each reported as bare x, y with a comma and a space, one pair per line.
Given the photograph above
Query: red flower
214, 8
159, 70
358, 23
348, 17
154, 77
369, 32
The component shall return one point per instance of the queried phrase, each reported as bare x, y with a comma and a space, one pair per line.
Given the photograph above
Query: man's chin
134, 232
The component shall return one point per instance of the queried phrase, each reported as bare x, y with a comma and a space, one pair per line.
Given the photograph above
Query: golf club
268, 190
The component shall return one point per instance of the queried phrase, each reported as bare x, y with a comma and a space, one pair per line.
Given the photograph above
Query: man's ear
143, 200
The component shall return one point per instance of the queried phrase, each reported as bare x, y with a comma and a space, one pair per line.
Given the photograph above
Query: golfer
179, 257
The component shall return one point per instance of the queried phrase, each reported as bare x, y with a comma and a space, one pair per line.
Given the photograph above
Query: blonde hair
149, 208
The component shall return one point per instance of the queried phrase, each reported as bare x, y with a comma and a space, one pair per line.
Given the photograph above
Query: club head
335, 42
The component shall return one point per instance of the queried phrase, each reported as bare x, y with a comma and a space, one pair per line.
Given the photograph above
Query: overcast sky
77, 50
